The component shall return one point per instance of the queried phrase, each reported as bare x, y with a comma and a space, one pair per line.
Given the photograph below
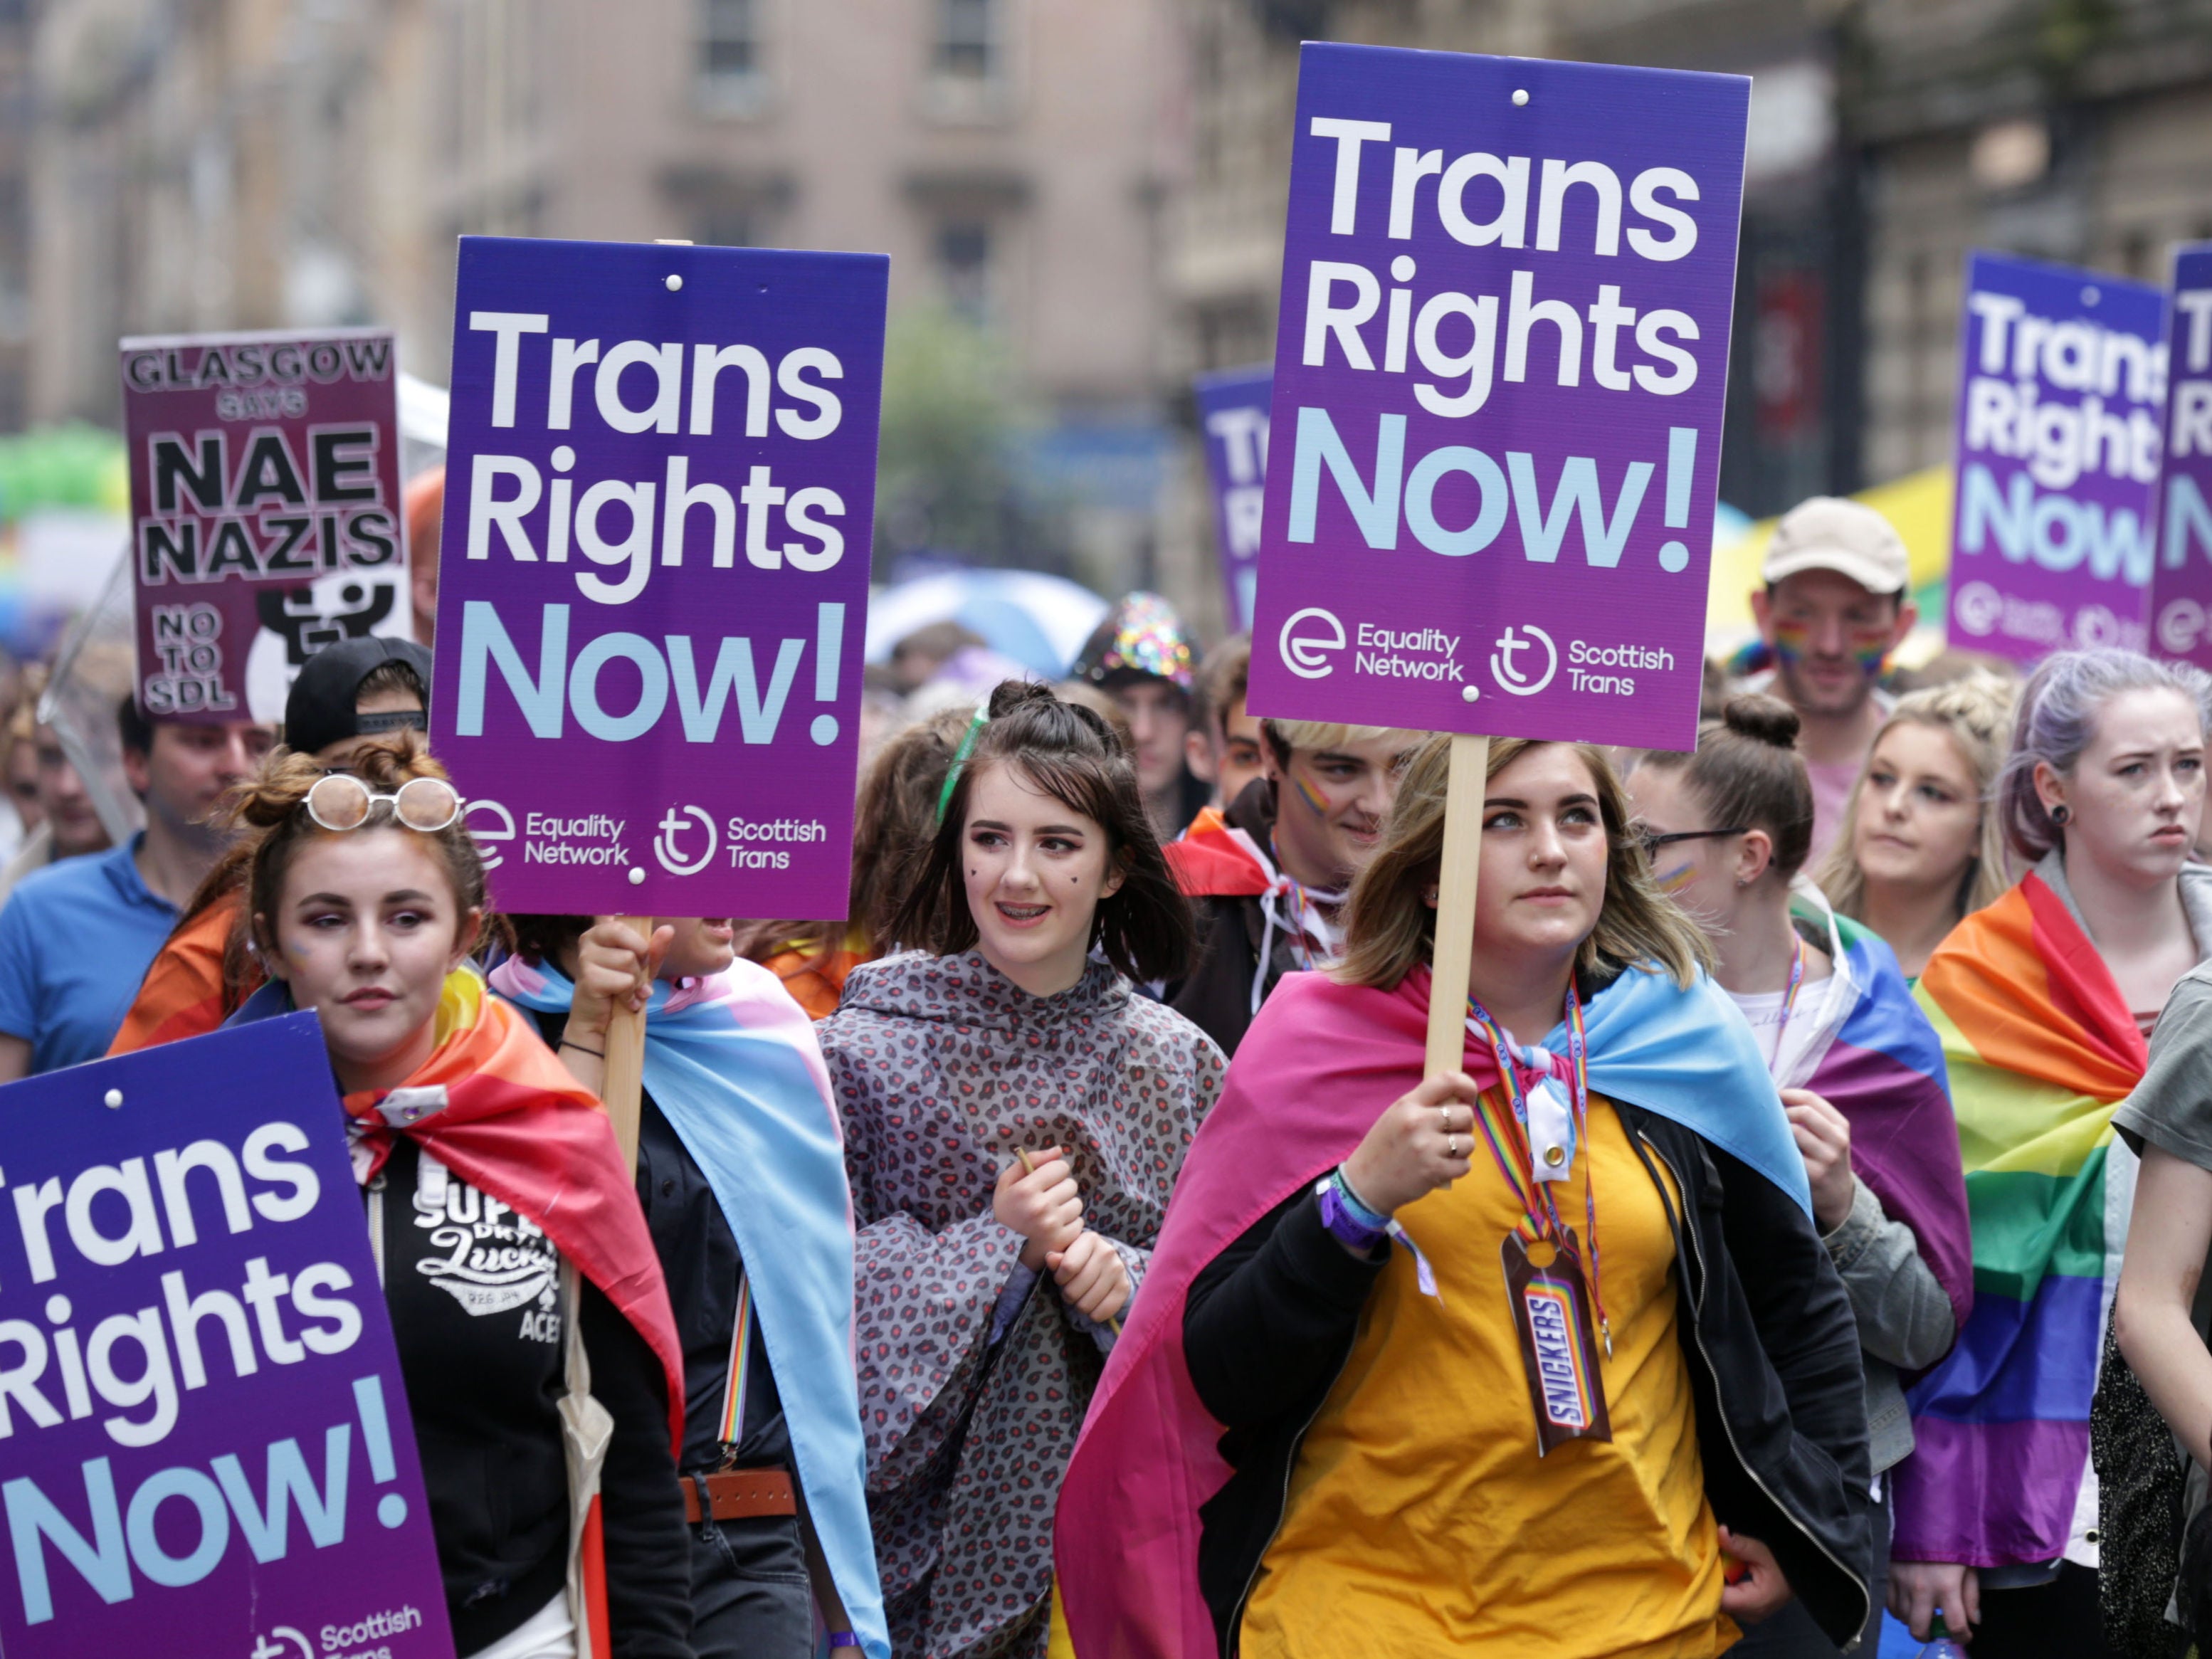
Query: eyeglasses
1652, 843
340, 801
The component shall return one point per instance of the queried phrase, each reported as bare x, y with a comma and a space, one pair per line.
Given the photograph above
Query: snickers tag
1551, 1317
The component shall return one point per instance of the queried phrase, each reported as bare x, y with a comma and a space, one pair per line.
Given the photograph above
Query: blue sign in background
653, 585
1232, 420
1500, 379
204, 1445
2181, 588
2060, 386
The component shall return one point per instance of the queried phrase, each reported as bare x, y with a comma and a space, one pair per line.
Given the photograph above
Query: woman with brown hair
1538, 1355
1015, 1112
366, 896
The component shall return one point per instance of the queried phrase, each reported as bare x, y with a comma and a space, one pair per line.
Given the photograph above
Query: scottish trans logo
676, 837
1514, 663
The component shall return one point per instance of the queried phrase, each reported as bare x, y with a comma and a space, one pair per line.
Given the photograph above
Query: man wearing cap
1141, 657
345, 695
1834, 606
76, 936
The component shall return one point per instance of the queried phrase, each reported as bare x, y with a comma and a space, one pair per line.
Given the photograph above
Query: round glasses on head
340, 801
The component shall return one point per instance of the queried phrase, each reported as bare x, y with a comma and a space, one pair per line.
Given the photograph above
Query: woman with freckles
499, 1209
1537, 1355
1015, 1115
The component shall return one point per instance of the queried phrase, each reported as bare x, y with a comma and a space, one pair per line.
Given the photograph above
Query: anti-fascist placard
1498, 388
204, 1444
1232, 416
264, 501
2181, 588
2060, 389
661, 483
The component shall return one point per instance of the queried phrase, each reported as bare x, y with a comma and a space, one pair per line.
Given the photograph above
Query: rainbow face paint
1869, 647
1673, 881
1311, 796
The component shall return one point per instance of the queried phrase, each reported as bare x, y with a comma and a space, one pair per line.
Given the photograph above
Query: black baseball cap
319, 711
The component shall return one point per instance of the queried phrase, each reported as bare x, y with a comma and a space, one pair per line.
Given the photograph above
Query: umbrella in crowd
1039, 621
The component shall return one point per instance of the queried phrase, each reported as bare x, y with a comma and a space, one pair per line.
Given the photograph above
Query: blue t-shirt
76, 940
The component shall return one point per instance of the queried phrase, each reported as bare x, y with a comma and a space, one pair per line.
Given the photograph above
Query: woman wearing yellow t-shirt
1541, 1358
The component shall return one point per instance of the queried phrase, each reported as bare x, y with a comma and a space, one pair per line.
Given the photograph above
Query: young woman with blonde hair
1922, 845
1542, 1354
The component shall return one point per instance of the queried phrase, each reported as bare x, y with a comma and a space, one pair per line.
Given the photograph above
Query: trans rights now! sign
2060, 391
1233, 411
204, 1446
266, 512
2181, 586
661, 488
1499, 381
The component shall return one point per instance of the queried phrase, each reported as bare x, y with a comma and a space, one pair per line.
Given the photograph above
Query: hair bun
1767, 719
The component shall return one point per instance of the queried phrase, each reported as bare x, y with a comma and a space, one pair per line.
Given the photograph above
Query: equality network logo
1307, 640
668, 846
1511, 673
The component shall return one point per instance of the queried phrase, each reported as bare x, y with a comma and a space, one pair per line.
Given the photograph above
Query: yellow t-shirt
1421, 1521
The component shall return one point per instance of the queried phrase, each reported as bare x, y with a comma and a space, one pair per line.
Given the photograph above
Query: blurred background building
1083, 203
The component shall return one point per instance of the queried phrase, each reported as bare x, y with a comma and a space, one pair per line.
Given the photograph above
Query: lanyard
1508, 1138
1788, 1006
732, 1429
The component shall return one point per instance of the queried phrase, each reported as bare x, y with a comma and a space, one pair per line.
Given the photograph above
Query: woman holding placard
2043, 1001
1015, 1114
1920, 848
1543, 1355
367, 897
1861, 1071
741, 1172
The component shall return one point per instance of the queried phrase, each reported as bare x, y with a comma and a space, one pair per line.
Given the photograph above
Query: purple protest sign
1232, 416
1498, 388
662, 465
2181, 588
205, 1451
264, 505
2061, 383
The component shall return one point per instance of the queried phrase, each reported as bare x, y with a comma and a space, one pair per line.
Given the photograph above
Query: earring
1432, 897
2059, 815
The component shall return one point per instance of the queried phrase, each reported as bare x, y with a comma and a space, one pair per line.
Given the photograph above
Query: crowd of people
1067, 1250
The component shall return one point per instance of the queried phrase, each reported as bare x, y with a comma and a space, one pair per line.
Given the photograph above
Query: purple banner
1499, 386
204, 1446
2061, 383
662, 465
265, 515
2181, 588
1232, 417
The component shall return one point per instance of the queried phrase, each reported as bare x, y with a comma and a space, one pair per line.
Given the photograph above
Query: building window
964, 264
967, 45
729, 67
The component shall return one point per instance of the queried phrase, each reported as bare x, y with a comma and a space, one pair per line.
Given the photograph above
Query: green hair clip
960, 758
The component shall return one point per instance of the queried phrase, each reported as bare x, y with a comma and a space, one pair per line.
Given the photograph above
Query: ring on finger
1443, 1120
1451, 1145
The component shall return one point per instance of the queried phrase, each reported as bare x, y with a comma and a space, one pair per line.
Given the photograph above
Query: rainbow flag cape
2041, 1049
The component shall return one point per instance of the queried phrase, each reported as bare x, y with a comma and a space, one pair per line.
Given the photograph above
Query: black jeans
1792, 1633
2057, 1620
751, 1596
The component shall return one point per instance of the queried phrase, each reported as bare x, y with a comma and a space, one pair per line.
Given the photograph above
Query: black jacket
1217, 995
1773, 1361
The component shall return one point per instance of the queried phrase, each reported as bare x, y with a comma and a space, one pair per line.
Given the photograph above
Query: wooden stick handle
623, 1085
1455, 885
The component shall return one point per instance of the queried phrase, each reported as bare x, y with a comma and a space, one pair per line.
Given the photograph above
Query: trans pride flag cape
1321, 1062
733, 1064
2041, 1049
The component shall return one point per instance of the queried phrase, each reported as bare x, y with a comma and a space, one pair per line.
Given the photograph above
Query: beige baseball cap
1848, 537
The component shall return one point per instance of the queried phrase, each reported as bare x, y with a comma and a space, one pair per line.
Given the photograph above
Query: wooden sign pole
623, 1086
1455, 886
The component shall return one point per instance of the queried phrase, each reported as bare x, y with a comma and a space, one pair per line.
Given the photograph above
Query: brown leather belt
737, 1494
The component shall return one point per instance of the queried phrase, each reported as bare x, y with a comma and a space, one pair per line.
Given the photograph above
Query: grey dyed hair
2058, 718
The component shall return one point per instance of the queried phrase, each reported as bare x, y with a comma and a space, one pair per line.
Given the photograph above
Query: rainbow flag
2041, 1049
